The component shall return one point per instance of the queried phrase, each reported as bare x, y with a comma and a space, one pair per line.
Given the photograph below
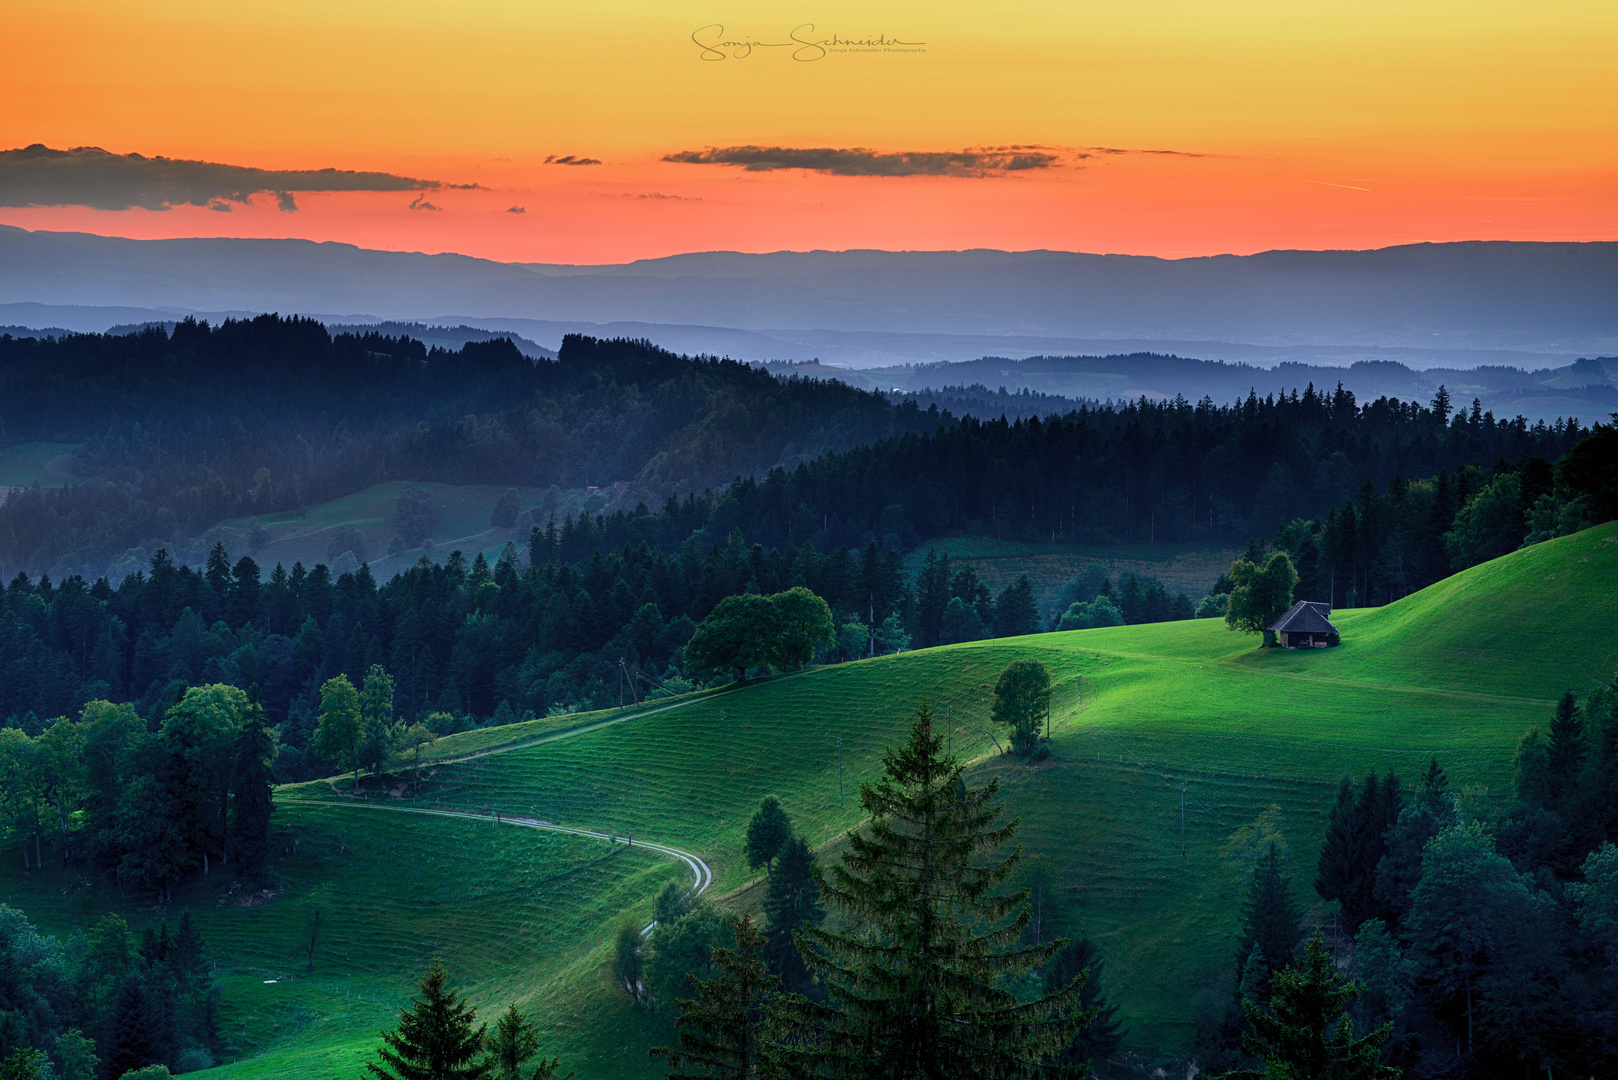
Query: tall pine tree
1099, 1038
722, 1029
436, 1039
792, 904
1305, 1033
1269, 917
914, 977
1338, 854
251, 785
1566, 748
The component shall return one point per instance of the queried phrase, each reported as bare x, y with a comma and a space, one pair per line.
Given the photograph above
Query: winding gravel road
702, 873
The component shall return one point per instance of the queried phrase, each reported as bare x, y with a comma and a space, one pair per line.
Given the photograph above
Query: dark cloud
858, 161
1114, 150
89, 176
420, 203
516, 209
572, 159
671, 198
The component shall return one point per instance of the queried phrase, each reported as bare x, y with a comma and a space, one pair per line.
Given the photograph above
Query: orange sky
1317, 125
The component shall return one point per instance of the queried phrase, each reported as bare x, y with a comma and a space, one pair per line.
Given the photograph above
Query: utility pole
873, 624
1182, 819
724, 738
839, 770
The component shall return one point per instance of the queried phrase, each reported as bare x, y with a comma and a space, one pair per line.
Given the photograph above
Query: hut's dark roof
1305, 617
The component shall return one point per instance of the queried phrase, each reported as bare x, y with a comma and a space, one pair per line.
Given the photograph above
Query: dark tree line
253, 417
1141, 471
149, 803
108, 1002
1485, 940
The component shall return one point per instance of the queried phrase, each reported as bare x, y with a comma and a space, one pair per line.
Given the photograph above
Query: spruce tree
722, 1029
435, 1039
513, 1042
1269, 915
1433, 783
792, 904
1338, 855
1305, 1033
131, 1046
251, 785
1099, 1038
914, 976
1566, 748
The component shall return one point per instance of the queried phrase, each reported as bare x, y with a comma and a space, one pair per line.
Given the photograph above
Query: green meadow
1143, 717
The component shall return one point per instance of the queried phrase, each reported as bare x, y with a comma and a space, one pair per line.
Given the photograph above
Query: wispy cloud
1328, 183
89, 176
1092, 151
571, 159
420, 203
516, 209
858, 161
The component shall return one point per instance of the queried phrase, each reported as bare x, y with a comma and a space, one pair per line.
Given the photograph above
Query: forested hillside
185, 430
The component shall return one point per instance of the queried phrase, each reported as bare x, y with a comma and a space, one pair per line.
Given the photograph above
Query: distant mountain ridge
1557, 298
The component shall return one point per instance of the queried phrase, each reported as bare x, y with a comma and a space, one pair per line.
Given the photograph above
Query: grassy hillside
1460, 670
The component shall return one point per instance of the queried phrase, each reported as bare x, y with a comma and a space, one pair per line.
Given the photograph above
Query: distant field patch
463, 524
45, 464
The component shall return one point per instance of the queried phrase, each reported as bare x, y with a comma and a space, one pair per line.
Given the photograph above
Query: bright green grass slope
516, 914
1460, 670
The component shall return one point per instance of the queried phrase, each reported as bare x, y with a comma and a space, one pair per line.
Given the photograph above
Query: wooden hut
1306, 625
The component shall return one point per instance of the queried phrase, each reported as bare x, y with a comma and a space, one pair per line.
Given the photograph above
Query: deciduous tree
1022, 701
337, 738
1258, 597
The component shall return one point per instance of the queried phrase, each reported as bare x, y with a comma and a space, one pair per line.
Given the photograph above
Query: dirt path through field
702, 873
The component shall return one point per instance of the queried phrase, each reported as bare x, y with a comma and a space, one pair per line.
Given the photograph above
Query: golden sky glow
1313, 124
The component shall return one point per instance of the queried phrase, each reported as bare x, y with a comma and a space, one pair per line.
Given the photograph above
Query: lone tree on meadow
916, 974
766, 833
436, 1039
1258, 596
506, 510
1022, 701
